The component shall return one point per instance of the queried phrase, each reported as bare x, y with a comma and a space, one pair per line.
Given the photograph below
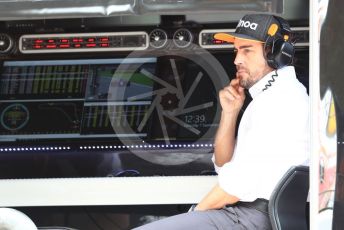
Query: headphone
279, 51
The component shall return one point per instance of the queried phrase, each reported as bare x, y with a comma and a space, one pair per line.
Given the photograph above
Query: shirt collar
258, 87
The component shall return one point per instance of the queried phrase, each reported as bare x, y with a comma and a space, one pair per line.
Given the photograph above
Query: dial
6, 43
182, 38
157, 38
15, 117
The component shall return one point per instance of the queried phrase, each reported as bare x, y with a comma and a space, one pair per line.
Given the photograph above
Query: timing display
101, 118
58, 99
23, 80
83, 42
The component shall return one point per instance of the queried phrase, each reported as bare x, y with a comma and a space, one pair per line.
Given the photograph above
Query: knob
158, 38
6, 43
182, 38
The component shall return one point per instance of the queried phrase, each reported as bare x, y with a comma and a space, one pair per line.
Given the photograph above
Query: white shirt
273, 135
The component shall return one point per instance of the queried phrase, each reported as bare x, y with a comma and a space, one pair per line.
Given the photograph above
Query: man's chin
242, 83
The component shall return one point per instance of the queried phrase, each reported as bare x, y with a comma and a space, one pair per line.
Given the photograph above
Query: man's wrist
232, 113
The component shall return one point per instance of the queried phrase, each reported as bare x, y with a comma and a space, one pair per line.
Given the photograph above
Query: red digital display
51, 46
104, 39
77, 40
66, 42
91, 45
218, 42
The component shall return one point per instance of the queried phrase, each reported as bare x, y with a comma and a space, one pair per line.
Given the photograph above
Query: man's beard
247, 82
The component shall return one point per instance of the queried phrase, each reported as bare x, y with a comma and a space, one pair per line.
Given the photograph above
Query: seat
288, 201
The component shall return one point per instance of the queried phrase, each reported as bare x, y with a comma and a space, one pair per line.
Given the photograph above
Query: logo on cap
247, 24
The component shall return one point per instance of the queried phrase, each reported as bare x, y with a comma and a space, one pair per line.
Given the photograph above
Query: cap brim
230, 37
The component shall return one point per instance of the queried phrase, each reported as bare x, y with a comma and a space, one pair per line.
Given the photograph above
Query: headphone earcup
271, 60
269, 52
282, 54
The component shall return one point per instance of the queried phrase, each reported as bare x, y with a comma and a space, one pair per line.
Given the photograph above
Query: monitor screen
144, 99
68, 99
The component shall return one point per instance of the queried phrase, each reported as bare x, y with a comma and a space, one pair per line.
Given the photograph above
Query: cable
270, 81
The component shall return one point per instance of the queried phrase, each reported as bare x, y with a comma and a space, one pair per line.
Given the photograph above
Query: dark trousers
235, 217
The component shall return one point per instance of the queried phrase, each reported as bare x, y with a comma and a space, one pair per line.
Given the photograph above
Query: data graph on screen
56, 99
105, 117
21, 80
141, 99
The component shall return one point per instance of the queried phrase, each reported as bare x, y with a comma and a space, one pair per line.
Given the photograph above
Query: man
272, 135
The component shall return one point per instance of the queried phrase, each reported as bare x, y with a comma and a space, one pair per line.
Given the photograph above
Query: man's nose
238, 59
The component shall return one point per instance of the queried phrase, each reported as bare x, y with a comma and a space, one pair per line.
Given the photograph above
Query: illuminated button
38, 41
77, 40
64, 46
51, 41
218, 42
91, 45
37, 47
64, 40
104, 44
91, 39
51, 46
104, 39
77, 45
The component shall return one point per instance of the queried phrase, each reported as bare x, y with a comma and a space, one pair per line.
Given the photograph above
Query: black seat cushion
288, 201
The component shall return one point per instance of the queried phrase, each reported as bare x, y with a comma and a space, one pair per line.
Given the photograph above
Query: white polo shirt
273, 135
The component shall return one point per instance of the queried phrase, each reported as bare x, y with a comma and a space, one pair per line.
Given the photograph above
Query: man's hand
217, 198
232, 97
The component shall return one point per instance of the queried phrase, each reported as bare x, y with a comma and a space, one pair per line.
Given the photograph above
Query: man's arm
225, 138
217, 198
232, 99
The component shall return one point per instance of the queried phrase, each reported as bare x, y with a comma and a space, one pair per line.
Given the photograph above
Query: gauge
5, 43
157, 38
182, 38
15, 117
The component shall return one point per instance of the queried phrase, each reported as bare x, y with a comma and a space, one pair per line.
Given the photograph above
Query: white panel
105, 191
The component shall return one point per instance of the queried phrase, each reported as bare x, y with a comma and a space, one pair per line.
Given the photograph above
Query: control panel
144, 39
